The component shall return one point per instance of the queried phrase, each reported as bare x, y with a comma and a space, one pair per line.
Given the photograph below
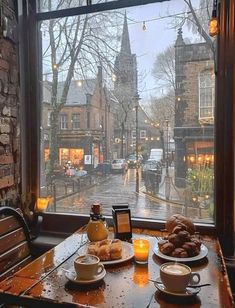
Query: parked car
150, 165
119, 165
103, 168
80, 172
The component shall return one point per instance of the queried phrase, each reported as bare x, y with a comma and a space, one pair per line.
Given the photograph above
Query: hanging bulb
213, 26
144, 26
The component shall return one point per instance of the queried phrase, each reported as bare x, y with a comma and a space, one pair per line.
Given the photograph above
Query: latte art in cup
175, 269
176, 276
88, 266
87, 260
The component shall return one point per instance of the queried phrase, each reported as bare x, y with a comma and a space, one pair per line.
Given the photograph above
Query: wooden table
43, 282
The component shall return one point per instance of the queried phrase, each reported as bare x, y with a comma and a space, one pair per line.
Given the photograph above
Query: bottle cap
96, 208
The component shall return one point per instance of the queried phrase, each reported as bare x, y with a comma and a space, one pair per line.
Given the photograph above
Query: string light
144, 26
213, 23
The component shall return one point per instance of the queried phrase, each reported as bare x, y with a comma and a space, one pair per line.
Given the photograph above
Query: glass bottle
97, 228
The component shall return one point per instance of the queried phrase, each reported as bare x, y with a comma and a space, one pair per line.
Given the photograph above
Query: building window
206, 95
76, 121
49, 118
142, 134
133, 135
63, 121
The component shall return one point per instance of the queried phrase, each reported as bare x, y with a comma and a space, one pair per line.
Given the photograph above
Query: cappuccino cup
176, 277
88, 266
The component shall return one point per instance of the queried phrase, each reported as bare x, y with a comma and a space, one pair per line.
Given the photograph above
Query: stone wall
190, 61
9, 122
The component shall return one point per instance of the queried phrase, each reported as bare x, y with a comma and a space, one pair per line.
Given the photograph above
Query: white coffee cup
176, 276
88, 266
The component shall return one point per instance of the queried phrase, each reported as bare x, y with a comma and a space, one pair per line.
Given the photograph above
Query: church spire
179, 41
125, 45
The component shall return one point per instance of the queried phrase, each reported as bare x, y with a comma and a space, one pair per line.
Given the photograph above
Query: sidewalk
63, 188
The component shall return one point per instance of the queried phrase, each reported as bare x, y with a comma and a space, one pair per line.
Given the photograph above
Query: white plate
188, 292
127, 253
203, 253
72, 276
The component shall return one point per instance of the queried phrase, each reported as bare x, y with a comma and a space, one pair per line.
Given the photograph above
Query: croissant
106, 250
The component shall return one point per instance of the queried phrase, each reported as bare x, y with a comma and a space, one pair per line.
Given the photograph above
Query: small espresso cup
176, 276
88, 266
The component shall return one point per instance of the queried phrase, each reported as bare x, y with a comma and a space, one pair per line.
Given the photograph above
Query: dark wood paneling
99, 7
225, 119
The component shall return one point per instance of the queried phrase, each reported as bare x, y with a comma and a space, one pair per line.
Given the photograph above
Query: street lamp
137, 142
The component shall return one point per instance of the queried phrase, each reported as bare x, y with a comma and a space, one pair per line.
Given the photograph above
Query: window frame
143, 134
224, 113
63, 121
207, 89
77, 120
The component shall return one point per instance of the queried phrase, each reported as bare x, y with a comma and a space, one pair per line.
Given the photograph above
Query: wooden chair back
14, 242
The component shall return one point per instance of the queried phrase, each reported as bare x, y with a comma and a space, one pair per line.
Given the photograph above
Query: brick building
85, 123
10, 165
194, 107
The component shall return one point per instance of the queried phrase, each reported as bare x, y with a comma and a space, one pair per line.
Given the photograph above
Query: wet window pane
128, 94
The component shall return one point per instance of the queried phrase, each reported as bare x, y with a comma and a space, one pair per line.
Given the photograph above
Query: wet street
118, 188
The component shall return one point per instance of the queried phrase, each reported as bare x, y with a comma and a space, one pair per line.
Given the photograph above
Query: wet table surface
43, 282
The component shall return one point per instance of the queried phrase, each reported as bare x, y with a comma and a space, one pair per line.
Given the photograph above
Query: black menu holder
122, 221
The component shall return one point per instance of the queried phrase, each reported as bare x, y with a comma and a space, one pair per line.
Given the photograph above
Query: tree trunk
53, 144
122, 140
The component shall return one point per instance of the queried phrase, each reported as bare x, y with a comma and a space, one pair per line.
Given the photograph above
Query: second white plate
127, 253
188, 292
72, 276
203, 253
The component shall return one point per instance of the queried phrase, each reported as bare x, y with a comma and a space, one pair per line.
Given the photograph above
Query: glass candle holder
141, 250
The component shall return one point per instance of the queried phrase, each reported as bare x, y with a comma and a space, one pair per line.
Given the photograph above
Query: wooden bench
15, 244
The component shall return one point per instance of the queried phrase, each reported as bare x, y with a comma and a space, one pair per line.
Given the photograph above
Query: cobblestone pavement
121, 189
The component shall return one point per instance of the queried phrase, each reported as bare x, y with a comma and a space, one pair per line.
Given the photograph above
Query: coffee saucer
72, 276
188, 292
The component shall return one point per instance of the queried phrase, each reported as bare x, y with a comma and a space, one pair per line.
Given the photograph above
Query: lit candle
42, 203
141, 250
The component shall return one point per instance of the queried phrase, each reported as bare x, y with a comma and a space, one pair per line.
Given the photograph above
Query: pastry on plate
106, 250
181, 241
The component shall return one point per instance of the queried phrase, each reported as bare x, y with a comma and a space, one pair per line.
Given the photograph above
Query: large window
63, 121
76, 120
206, 95
107, 77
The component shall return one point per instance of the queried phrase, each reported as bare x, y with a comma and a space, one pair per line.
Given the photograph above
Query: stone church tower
125, 90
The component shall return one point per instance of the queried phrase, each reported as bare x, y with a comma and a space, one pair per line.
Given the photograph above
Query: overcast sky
155, 39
